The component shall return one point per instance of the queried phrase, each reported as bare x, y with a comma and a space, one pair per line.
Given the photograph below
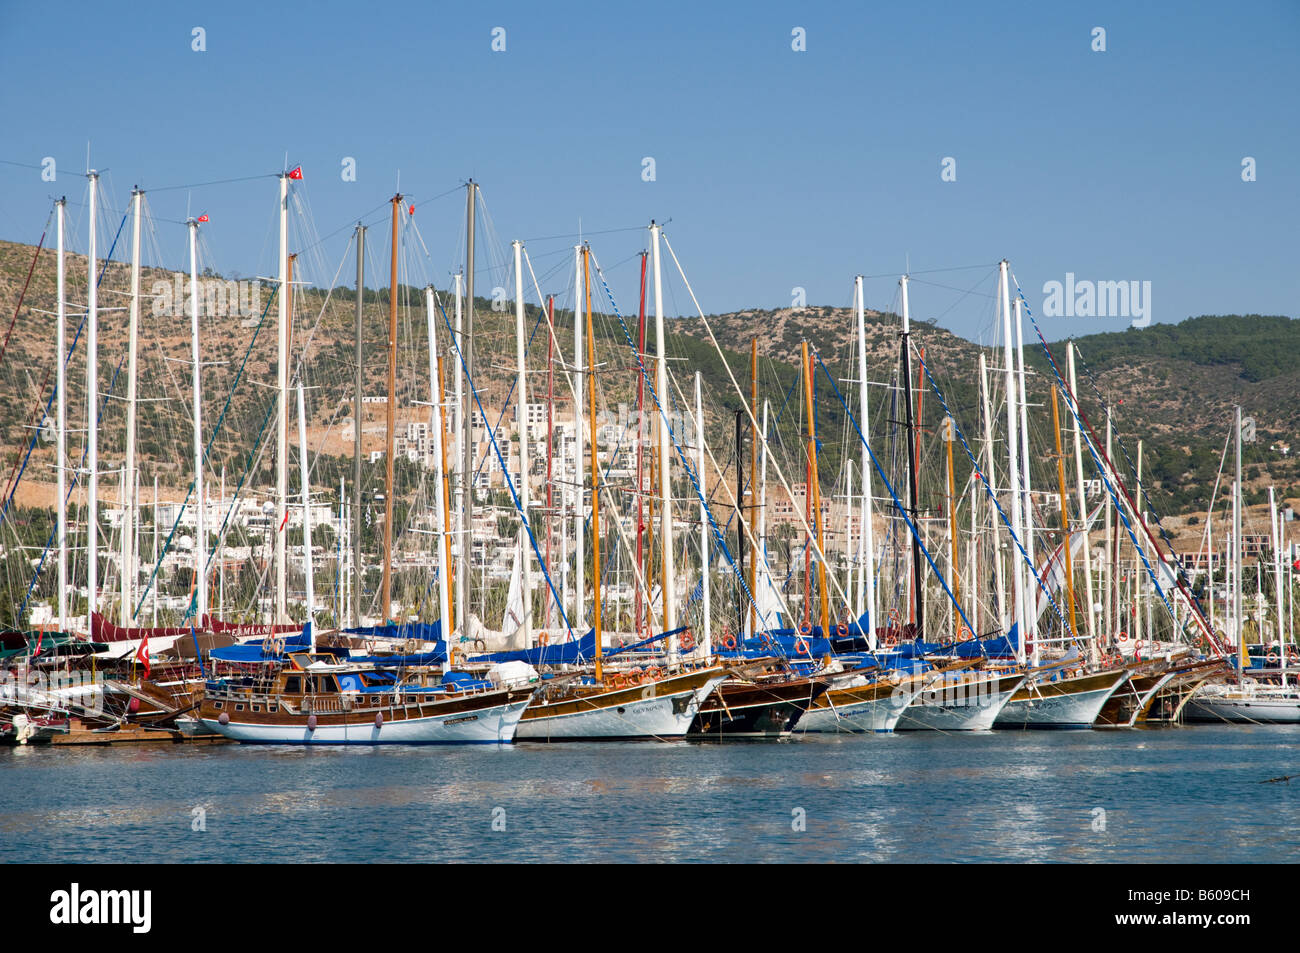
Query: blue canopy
1002, 646
424, 631
256, 652
561, 653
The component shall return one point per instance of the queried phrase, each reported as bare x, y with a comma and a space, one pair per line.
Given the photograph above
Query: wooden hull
410, 719
766, 708
1170, 699
1067, 703
661, 709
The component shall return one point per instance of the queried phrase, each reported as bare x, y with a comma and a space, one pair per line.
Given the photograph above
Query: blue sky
778, 169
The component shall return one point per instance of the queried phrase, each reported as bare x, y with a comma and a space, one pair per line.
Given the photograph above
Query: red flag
203, 217
39, 639
283, 522
142, 655
296, 173
411, 210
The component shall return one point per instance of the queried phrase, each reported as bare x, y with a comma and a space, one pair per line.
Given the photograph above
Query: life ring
277, 646
479, 646
729, 642
842, 629
1272, 658
688, 641
618, 681
652, 674
1123, 636
964, 634
543, 639
633, 678
801, 647
805, 629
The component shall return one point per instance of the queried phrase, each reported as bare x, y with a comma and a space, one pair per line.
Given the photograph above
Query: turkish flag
203, 217
142, 655
411, 210
296, 173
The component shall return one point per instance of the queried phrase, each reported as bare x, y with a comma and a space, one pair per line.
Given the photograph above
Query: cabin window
325, 683
272, 707
256, 707
293, 685
239, 708
220, 705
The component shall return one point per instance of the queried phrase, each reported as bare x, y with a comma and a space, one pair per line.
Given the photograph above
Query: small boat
1249, 702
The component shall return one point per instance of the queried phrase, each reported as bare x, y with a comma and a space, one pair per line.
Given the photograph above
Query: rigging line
681, 454
20, 468
23, 294
206, 452
753, 421
956, 428
103, 405
199, 185
898, 505
523, 516
580, 236
1080, 419
1164, 533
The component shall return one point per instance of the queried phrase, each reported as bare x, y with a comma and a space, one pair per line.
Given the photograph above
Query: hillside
1172, 386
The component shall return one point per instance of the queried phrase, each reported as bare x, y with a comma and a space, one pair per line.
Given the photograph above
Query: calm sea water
1173, 795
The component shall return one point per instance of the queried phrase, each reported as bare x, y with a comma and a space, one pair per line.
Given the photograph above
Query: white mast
665, 460
200, 522
1018, 614
437, 398
129, 475
521, 385
761, 543
92, 408
1275, 531
282, 408
867, 544
579, 479
1004, 615
221, 563
462, 439
1238, 626
304, 469
704, 518
1027, 511
1094, 651
61, 421
153, 594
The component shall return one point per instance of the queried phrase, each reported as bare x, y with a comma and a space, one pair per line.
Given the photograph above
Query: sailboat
1252, 699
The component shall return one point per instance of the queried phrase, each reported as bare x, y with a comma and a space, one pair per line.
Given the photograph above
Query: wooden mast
595, 465
1065, 516
387, 599
816, 489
